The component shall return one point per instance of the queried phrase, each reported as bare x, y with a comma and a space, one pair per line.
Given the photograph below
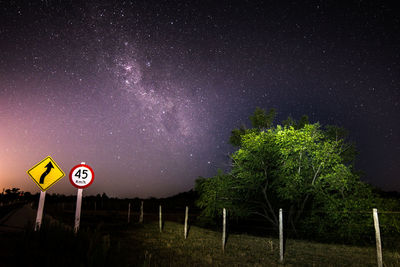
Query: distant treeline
103, 202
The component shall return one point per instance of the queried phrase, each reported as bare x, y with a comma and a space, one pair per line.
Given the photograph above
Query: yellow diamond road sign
46, 173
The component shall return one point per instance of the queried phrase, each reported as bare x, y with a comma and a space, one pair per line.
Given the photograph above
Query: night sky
147, 92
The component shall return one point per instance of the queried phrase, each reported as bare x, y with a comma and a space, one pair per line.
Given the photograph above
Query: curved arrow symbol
49, 166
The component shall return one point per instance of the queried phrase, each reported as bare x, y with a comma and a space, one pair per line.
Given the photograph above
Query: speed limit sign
81, 176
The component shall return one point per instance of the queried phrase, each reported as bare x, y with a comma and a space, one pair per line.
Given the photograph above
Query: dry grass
204, 248
113, 243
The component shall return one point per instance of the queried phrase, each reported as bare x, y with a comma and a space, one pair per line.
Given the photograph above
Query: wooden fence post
141, 213
129, 212
186, 221
160, 220
378, 238
280, 235
223, 230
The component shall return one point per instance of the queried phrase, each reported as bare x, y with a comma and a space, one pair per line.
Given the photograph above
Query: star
127, 85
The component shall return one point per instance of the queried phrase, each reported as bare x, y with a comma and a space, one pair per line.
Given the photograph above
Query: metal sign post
39, 213
80, 176
78, 210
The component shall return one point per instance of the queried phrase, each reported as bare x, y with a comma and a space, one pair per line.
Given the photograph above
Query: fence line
185, 216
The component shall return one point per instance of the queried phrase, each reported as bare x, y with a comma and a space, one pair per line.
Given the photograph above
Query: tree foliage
260, 120
296, 124
301, 167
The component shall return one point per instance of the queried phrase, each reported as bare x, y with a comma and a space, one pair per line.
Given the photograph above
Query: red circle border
77, 166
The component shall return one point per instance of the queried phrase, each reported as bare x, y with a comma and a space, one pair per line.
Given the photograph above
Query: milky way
148, 92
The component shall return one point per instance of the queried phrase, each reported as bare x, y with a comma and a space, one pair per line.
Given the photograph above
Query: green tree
216, 194
260, 120
291, 167
301, 167
296, 124
12, 194
236, 135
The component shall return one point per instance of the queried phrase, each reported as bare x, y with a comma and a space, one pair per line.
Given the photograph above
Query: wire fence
341, 227
348, 227
354, 227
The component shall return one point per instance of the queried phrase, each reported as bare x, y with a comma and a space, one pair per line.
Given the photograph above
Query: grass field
112, 243
203, 248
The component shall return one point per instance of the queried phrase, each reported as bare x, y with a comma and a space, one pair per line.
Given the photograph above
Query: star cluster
147, 92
